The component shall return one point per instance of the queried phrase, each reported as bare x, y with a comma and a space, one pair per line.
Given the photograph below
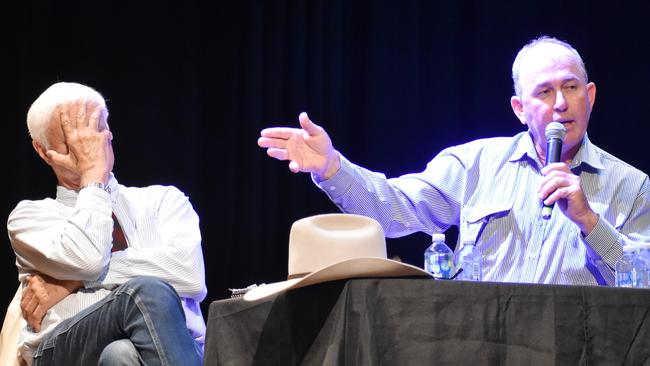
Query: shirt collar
524, 148
586, 153
69, 196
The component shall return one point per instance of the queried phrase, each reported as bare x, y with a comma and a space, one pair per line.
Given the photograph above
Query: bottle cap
438, 237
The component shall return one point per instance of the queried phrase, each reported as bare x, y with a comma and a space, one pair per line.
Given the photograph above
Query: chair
9, 355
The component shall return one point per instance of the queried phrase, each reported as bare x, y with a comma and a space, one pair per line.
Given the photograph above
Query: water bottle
641, 265
470, 260
438, 258
639, 269
625, 273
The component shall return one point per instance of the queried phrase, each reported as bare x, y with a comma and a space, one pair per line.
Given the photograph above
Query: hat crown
318, 241
334, 247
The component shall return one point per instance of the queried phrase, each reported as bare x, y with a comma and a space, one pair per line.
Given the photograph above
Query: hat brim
350, 268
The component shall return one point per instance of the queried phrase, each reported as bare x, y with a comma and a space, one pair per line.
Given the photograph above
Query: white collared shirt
70, 237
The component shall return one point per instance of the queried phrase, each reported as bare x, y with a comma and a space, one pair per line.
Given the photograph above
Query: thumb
309, 126
57, 159
294, 166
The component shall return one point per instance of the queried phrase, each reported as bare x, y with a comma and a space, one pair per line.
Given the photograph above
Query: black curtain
190, 85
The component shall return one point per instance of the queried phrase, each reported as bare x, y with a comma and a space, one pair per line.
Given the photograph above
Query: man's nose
560, 102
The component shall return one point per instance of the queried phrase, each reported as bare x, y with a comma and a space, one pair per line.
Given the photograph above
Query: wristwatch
102, 186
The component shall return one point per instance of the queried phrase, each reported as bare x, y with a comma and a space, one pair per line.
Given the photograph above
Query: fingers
294, 166
558, 194
36, 317
286, 133
556, 167
557, 185
280, 154
279, 132
309, 126
61, 160
86, 114
29, 301
66, 123
554, 175
267, 142
26, 302
80, 120
93, 121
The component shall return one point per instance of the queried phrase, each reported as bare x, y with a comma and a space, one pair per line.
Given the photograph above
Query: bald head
544, 47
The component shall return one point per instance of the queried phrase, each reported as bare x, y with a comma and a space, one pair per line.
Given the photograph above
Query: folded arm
172, 251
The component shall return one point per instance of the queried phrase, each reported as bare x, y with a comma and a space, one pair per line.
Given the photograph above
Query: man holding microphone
495, 189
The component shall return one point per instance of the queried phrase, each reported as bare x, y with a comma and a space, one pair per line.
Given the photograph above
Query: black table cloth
401, 321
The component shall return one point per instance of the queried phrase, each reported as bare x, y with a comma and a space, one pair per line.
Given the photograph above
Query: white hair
41, 112
543, 40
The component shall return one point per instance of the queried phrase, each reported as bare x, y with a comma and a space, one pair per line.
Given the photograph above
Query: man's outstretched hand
309, 148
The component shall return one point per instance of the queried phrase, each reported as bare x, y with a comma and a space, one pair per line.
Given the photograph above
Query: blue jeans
145, 311
120, 353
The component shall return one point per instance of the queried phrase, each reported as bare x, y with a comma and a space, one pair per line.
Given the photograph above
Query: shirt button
332, 188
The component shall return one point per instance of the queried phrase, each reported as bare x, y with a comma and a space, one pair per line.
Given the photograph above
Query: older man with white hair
111, 274
494, 189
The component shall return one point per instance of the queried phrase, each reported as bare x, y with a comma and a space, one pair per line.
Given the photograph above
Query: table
399, 321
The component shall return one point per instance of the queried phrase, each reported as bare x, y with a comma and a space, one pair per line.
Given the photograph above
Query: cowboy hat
333, 247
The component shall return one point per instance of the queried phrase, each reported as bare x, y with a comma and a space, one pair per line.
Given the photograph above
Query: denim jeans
145, 311
120, 353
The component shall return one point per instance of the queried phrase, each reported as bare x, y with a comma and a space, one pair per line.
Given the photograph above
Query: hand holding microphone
561, 185
555, 133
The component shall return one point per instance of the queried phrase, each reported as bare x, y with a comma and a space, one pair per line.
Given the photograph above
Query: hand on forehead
79, 112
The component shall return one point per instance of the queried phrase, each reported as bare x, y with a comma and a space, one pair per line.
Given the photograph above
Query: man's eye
543, 93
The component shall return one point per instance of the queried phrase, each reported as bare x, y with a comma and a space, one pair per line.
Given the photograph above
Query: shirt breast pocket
476, 225
148, 233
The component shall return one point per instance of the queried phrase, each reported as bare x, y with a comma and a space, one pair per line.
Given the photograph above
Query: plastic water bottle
470, 260
639, 269
641, 265
624, 267
438, 258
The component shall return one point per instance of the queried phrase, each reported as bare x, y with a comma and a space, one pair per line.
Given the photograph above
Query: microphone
555, 133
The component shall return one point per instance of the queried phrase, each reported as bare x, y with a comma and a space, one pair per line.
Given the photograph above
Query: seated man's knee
153, 292
149, 285
119, 353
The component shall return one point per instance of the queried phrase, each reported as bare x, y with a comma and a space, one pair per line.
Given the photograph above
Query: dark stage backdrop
191, 83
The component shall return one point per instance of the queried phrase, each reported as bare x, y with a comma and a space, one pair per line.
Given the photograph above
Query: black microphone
555, 133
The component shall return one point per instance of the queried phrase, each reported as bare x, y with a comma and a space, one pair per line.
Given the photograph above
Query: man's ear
591, 94
518, 108
41, 151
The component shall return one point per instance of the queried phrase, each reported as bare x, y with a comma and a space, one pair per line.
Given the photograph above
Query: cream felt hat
333, 247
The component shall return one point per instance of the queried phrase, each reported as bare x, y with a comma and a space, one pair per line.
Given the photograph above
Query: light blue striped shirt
488, 188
